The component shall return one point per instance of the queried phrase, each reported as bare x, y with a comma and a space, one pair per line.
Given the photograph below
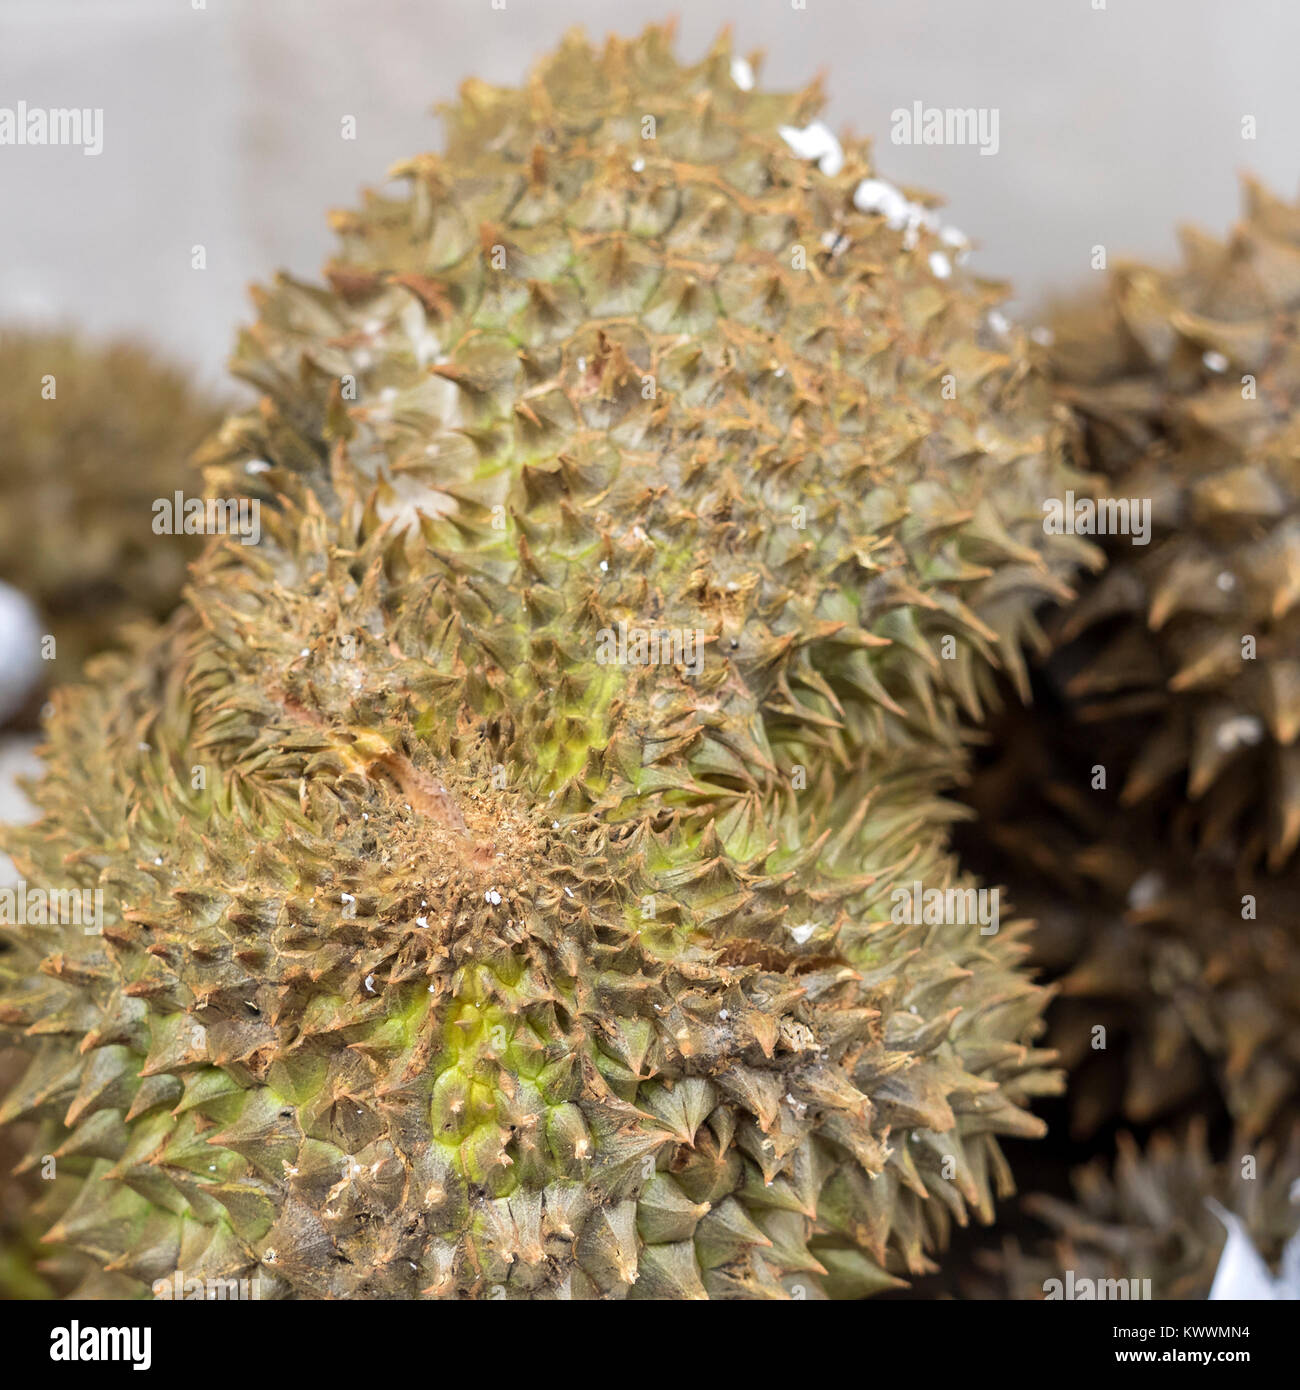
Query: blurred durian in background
90, 436
1146, 810
1187, 387
1168, 1221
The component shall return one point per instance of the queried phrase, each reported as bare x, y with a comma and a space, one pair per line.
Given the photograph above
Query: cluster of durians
529, 870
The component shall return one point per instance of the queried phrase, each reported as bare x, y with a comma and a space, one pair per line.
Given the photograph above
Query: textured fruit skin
1148, 1215
1189, 386
78, 476
473, 964
20, 1223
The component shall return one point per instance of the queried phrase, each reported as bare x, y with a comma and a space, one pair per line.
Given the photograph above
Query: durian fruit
1177, 971
460, 941
1161, 1214
90, 436
1188, 384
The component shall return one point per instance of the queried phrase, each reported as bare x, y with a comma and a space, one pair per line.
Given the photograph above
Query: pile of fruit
538, 867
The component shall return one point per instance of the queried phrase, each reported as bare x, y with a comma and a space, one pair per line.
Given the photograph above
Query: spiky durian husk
1190, 964
1189, 385
1150, 1215
79, 473
471, 962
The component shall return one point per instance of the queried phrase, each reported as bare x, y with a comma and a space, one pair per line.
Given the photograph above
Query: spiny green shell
1150, 1215
444, 957
1189, 385
90, 436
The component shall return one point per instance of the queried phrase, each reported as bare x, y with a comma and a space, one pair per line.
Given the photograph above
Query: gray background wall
222, 126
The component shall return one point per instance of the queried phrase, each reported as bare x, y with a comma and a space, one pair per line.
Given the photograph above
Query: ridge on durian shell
1187, 384
475, 963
